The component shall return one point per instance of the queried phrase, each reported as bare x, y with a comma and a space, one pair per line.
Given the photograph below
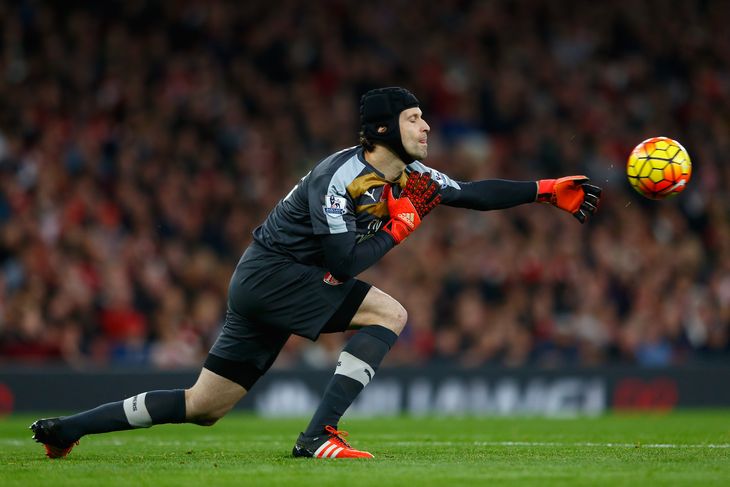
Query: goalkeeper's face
414, 133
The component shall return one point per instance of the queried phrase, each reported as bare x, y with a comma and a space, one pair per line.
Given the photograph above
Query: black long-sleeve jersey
333, 216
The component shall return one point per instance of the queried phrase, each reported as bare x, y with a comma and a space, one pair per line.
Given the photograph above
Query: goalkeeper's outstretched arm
571, 193
490, 194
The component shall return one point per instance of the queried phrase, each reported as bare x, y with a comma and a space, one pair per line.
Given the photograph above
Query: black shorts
269, 298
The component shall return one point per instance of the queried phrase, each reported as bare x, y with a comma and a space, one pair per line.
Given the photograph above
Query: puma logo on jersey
370, 194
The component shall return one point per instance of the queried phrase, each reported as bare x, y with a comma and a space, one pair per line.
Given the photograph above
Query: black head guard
381, 108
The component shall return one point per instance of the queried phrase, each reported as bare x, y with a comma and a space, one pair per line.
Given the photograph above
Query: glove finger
592, 190
422, 188
387, 192
416, 179
435, 183
433, 197
430, 189
591, 198
585, 211
437, 192
410, 183
422, 184
435, 200
587, 206
580, 215
430, 205
426, 179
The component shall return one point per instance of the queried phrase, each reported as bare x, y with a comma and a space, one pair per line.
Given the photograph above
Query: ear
382, 129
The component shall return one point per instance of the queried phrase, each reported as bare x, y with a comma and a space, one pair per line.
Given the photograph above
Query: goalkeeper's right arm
345, 258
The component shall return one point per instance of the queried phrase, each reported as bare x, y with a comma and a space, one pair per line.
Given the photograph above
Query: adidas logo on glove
407, 218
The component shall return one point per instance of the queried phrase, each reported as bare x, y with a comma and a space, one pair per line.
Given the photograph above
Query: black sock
140, 411
355, 369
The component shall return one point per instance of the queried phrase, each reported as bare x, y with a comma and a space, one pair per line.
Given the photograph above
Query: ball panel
663, 185
647, 185
645, 168
656, 175
671, 173
661, 144
672, 151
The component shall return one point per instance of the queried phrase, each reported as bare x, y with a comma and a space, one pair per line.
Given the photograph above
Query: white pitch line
561, 444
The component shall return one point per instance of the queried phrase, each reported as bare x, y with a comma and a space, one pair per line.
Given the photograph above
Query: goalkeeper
298, 276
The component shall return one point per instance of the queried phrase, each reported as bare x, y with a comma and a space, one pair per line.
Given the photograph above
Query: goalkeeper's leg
208, 400
380, 319
243, 352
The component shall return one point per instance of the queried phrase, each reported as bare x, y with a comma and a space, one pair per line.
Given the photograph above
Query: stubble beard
419, 154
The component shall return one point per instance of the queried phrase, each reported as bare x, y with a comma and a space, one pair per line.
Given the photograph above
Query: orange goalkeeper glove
572, 194
422, 191
404, 218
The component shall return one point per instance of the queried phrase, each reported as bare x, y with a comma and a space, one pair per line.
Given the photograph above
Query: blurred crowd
141, 142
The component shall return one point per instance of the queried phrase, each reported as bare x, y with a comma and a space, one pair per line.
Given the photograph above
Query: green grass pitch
681, 448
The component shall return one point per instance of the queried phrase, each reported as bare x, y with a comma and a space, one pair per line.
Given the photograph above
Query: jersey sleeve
330, 207
488, 194
446, 183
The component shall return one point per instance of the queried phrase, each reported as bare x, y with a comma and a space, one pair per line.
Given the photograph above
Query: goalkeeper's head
380, 111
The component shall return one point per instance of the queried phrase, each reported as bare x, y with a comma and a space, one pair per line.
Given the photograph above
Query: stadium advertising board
415, 391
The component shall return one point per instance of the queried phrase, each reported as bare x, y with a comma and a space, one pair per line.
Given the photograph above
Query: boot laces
337, 436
